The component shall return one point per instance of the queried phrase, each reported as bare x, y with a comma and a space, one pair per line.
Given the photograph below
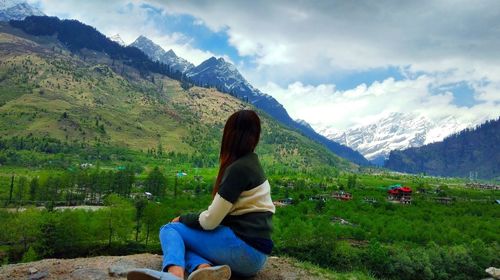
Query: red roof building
341, 195
400, 195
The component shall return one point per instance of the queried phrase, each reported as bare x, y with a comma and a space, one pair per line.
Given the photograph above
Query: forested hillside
75, 36
471, 151
101, 104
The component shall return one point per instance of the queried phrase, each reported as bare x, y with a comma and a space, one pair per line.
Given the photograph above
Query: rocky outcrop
116, 267
494, 272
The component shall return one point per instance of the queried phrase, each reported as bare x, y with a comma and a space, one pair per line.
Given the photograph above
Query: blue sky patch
200, 36
353, 79
463, 93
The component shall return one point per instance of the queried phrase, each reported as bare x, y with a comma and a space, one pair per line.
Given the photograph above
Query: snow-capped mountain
117, 39
395, 131
218, 73
157, 53
17, 10
224, 75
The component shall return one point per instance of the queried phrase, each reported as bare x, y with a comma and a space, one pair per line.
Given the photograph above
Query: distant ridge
394, 131
473, 150
157, 53
89, 38
117, 38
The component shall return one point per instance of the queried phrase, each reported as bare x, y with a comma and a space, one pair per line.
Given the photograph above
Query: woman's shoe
150, 274
220, 272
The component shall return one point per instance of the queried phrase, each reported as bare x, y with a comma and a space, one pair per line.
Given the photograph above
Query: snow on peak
395, 131
5, 4
157, 53
17, 10
117, 39
171, 53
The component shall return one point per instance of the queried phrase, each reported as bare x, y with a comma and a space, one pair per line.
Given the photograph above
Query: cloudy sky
335, 64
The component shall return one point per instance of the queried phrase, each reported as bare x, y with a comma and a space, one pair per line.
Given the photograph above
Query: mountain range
473, 150
63, 79
394, 131
225, 77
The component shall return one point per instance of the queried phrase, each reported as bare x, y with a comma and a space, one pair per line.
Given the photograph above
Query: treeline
32, 151
83, 186
472, 150
123, 226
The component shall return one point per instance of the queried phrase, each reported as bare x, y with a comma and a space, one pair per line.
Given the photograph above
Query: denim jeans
188, 248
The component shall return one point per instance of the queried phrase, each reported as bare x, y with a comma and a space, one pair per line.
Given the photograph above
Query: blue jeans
187, 247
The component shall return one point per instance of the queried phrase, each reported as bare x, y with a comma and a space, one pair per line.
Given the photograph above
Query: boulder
494, 272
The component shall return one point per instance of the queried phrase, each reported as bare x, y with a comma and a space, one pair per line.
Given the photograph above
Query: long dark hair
241, 136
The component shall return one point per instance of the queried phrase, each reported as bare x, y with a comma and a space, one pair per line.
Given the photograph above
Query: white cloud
324, 106
291, 39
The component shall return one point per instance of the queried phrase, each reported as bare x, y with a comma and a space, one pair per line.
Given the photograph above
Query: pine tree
34, 185
156, 182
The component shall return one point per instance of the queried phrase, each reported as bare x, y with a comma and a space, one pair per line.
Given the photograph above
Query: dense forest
471, 151
425, 240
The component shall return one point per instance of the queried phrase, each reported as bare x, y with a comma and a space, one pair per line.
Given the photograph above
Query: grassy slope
45, 90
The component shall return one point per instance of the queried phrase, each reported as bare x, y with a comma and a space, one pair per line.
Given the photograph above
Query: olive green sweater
242, 203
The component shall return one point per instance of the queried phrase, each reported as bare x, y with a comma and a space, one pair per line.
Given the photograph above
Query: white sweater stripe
213, 216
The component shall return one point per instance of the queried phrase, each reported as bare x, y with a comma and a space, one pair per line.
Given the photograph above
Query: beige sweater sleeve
213, 216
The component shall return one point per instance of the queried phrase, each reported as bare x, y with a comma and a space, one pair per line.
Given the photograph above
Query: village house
341, 195
399, 194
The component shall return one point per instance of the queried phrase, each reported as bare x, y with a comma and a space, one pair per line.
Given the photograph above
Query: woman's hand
175, 220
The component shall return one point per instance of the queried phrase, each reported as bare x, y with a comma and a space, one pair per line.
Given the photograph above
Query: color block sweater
243, 203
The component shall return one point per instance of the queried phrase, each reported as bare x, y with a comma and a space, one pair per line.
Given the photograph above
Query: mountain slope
89, 96
395, 131
157, 53
216, 72
17, 10
471, 150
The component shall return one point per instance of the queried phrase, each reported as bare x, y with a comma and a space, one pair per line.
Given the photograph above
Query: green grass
324, 273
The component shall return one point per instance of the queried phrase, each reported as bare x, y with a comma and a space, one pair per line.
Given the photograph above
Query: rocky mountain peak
157, 53
171, 53
118, 39
17, 10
